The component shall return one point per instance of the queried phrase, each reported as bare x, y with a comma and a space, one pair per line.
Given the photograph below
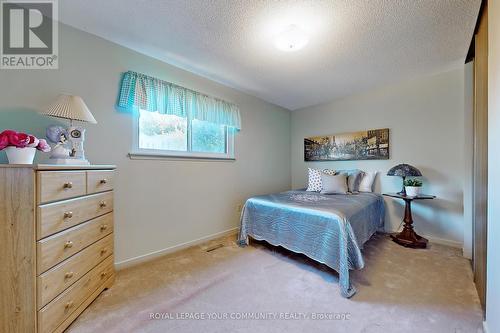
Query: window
170, 135
173, 121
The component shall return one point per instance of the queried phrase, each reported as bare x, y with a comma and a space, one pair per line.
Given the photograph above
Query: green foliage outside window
159, 131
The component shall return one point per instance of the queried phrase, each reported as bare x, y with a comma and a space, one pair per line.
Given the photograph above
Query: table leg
408, 237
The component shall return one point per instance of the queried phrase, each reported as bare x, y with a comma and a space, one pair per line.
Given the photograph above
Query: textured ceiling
354, 44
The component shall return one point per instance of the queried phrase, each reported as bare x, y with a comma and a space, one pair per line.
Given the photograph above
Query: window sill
159, 156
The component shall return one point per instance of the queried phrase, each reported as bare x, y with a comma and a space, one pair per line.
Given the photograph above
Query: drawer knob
103, 251
68, 185
103, 181
68, 215
104, 227
69, 305
69, 275
68, 245
103, 275
102, 204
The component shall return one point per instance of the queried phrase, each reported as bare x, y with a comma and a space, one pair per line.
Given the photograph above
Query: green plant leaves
413, 182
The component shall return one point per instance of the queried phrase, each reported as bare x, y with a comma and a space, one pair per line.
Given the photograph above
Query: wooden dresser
56, 243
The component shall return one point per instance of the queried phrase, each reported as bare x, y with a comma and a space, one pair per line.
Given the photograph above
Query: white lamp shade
70, 107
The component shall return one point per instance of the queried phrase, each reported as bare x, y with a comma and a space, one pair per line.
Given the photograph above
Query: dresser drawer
54, 313
54, 249
60, 277
58, 185
99, 180
57, 216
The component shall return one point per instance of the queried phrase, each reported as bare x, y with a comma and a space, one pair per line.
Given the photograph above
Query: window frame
140, 153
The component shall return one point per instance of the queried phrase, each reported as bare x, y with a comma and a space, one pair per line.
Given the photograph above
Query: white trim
138, 155
466, 253
159, 253
142, 153
447, 242
437, 240
485, 327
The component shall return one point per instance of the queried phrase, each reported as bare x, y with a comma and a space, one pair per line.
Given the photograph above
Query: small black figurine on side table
408, 237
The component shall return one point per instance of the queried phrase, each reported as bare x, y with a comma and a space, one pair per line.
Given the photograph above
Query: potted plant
21, 147
412, 187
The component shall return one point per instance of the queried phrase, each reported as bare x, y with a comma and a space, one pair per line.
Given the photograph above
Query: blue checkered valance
139, 91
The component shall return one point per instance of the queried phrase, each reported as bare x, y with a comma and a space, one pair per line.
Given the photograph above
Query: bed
330, 229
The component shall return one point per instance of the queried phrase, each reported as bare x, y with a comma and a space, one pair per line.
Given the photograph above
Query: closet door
480, 187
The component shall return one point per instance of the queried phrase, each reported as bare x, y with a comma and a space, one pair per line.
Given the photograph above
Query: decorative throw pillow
329, 172
336, 184
367, 181
314, 181
354, 178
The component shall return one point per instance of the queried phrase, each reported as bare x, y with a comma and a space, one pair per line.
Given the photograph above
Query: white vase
412, 191
20, 155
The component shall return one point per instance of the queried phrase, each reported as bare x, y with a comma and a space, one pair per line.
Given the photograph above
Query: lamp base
403, 190
68, 161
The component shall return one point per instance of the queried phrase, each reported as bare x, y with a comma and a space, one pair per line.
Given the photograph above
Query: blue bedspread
330, 229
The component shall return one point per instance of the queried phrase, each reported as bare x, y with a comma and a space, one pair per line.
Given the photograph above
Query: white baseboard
485, 327
150, 256
437, 240
447, 242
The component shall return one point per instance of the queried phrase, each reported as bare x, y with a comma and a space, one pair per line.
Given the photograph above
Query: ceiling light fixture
292, 39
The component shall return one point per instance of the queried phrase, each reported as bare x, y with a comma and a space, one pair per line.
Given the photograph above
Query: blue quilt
330, 229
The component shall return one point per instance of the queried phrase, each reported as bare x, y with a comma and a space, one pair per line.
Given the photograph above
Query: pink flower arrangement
9, 138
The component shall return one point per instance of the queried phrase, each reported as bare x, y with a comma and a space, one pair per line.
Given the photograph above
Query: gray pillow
354, 178
334, 184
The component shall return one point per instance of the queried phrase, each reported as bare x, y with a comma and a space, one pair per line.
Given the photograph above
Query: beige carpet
399, 290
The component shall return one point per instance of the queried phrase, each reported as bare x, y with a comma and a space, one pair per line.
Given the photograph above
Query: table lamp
69, 142
404, 170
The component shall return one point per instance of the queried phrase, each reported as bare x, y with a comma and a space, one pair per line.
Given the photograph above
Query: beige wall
162, 204
426, 120
159, 204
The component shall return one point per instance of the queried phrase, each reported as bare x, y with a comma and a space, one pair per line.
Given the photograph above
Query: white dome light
292, 39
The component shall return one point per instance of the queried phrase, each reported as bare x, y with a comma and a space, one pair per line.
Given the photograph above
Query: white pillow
334, 184
354, 178
367, 181
314, 182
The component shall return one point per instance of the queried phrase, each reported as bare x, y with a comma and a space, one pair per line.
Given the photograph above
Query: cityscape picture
363, 145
